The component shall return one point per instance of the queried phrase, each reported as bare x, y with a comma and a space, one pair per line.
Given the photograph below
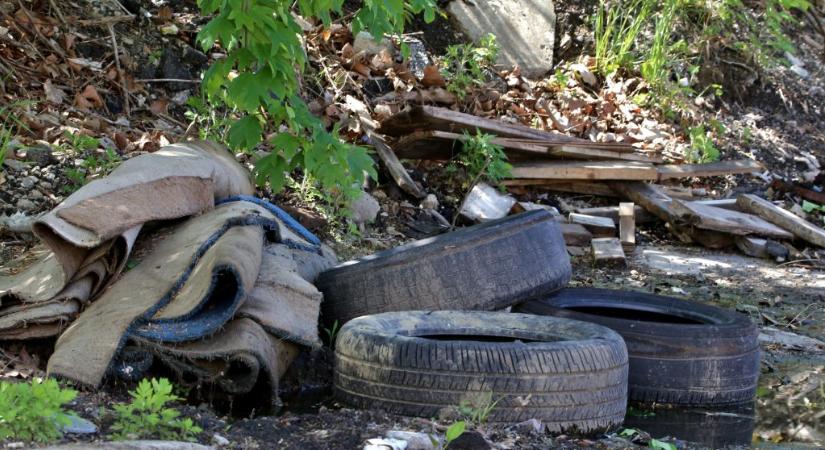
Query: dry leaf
160, 106
432, 77
361, 69
89, 98
165, 14
121, 141
53, 95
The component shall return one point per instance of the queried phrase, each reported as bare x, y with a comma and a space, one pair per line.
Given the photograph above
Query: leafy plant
33, 411
258, 81
482, 159
702, 148
463, 65
10, 124
77, 143
211, 123
148, 415
660, 445
453, 432
332, 333
477, 409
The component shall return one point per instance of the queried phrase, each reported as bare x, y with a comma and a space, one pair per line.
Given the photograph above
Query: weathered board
783, 218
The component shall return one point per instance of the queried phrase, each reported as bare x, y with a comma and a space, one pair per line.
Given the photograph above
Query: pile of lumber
568, 164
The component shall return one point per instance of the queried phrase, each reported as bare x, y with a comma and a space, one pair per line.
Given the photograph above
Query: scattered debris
485, 202
607, 252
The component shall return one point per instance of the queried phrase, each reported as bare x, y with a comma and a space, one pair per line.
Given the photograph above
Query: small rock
365, 209
802, 72
25, 204
14, 165
40, 154
385, 444
364, 42
794, 60
79, 425
585, 74
28, 182
170, 29
181, 97
219, 440
430, 202
530, 426
414, 440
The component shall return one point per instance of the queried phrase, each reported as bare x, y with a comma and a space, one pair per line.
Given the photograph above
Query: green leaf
245, 134
659, 445
455, 430
810, 207
629, 432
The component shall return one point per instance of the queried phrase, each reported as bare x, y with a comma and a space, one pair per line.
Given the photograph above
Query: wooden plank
618, 147
726, 221
575, 235
783, 218
599, 226
612, 212
762, 248
671, 171
385, 153
582, 152
434, 118
574, 187
443, 145
607, 251
627, 225
649, 196
606, 170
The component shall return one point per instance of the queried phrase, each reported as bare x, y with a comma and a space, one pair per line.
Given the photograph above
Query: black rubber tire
712, 360
484, 267
572, 375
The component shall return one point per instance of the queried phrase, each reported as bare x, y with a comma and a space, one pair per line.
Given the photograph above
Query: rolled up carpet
89, 236
184, 303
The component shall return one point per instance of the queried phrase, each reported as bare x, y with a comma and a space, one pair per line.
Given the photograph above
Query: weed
482, 159
655, 68
453, 432
463, 65
10, 124
560, 79
659, 445
478, 409
78, 143
332, 333
702, 148
33, 411
149, 416
616, 28
212, 123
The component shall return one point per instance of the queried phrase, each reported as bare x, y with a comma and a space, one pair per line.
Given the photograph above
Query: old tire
483, 267
570, 375
680, 352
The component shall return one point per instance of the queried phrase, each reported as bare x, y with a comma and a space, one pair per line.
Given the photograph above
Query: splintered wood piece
606, 170
575, 235
443, 145
733, 222
607, 251
783, 218
575, 187
434, 118
640, 214
627, 225
710, 169
762, 248
649, 196
599, 226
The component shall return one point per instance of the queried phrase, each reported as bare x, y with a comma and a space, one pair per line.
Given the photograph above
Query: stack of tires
421, 333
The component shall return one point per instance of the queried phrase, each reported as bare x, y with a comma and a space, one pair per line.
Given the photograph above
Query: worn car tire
570, 375
483, 267
680, 352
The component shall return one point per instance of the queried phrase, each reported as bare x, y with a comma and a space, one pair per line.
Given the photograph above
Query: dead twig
111, 20
166, 80
53, 45
120, 76
57, 10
